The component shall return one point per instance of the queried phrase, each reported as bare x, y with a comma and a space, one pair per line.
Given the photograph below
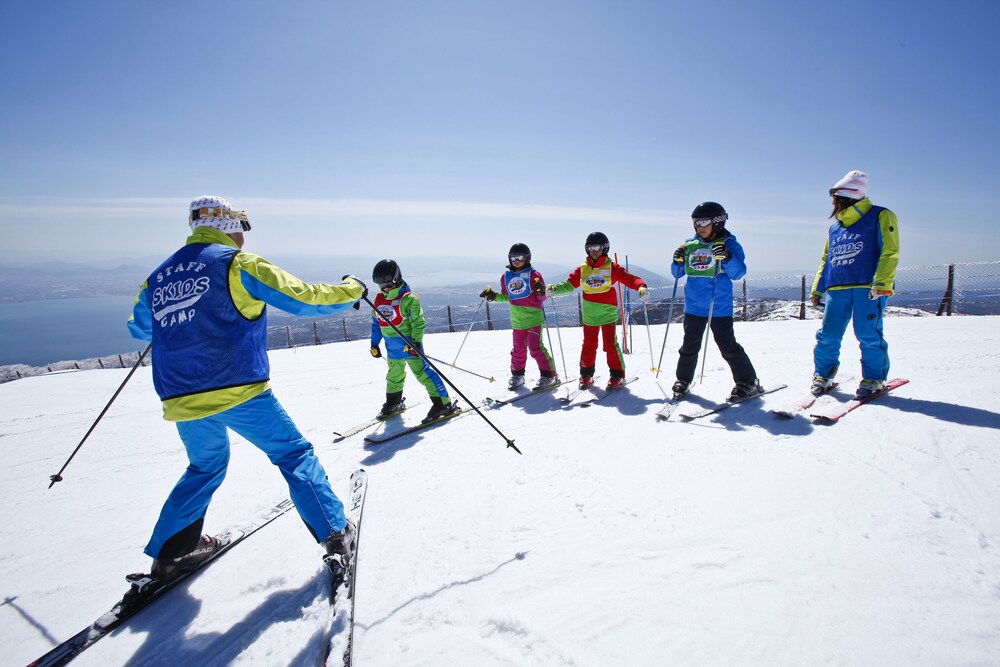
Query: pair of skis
598, 394
145, 589
832, 411
671, 405
828, 413
341, 640
500, 402
391, 435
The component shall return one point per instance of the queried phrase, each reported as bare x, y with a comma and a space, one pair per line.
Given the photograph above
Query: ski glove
719, 251
488, 294
539, 287
376, 351
874, 294
550, 289
643, 294
679, 255
415, 349
364, 290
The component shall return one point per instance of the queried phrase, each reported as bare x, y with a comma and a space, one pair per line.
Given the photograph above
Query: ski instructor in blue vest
856, 277
204, 309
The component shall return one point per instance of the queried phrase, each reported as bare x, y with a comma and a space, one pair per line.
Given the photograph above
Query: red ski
838, 410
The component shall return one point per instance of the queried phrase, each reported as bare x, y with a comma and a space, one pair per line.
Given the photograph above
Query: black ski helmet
386, 274
520, 249
598, 239
710, 210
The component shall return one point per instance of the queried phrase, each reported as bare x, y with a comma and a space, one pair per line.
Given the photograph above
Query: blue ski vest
201, 341
518, 283
853, 253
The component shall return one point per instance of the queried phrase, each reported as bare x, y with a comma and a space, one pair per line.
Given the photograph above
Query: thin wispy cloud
344, 207
374, 208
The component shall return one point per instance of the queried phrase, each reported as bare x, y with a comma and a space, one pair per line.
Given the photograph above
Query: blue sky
446, 128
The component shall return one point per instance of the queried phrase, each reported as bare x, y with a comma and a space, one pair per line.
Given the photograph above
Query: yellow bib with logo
595, 281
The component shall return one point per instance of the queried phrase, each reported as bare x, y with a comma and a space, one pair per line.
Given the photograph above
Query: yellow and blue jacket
204, 310
861, 251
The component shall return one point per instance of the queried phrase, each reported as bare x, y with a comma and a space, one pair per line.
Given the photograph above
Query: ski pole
458, 368
708, 327
555, 316
548, 334
58, 476
510, 443
670, 316
649, 336
474, 318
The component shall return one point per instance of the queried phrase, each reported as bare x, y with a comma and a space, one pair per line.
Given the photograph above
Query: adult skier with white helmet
856, 276
205, 311
712, 259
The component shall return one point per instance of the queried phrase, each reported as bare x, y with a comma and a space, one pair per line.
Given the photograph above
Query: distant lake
38, 333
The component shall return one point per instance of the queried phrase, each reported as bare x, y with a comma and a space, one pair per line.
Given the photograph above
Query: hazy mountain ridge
437, 280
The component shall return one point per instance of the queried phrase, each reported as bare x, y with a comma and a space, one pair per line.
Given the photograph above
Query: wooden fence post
949, 292
451, 325
288, 335
489, 318
802, 300
744, 299
343, 322
579, 309
316, 331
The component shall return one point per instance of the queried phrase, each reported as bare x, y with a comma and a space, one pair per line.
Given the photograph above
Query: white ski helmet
214, 211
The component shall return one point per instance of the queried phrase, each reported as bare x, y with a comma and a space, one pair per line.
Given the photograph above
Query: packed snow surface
742, 538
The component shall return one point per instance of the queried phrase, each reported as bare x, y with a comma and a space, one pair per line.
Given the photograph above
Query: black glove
376, 351
364, 288
488, 294
679, 255
719, 251
539, 286
413, 349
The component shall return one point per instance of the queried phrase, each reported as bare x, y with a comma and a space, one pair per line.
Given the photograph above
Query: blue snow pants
263, 422
843, 306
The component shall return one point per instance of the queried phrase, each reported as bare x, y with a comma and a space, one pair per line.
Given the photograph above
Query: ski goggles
517, 258
595, 248
705, 222
210, 212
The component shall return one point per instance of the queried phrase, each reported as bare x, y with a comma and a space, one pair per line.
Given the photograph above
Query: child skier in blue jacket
712, 259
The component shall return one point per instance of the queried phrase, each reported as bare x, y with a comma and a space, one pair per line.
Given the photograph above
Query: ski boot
680, 388
869, 387
545, 382
745, 390
340, 547
394, 404
615, 383
516, 380
167, 569
586, 381
439, 410
820, 384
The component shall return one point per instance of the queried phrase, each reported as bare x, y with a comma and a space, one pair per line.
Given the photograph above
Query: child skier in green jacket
524, 288
395, 305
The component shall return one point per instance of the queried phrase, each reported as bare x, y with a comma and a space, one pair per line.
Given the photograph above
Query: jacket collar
854, 213
210, 235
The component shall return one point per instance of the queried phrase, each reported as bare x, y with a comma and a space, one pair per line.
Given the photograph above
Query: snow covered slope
614, 539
